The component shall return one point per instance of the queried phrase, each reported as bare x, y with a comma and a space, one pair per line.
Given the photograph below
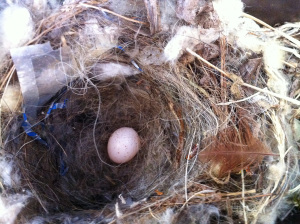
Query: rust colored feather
233, 149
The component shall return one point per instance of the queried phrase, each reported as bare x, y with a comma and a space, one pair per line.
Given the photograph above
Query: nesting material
11, 99
188, 10
238, 30
229, 12
105, 71
8, 175
168, 15
210, 143
274, 57
11, 206
234, 149
188, 37
99, 39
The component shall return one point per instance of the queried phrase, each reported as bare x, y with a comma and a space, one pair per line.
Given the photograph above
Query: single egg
123, 145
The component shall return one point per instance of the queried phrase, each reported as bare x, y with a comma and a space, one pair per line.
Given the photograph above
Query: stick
241, 82
292, 39
113, 13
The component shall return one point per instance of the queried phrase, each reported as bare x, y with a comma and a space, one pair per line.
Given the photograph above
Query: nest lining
172, 107
78, 136
72, 133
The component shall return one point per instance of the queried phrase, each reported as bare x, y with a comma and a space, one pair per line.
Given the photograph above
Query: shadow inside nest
74, 172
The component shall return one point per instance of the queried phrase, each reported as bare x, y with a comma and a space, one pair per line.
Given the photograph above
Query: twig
199, 194
36, 39
243, 196
235, 78
113, 13
238, 101
251, 197
223, 66
225, 199
5, 82
152, 214
289, 64
8, 76
292, 39
141, 209
178, 115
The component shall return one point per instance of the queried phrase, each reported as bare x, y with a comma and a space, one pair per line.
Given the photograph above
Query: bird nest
212, 147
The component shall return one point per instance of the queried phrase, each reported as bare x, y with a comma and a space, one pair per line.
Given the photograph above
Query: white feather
104, 71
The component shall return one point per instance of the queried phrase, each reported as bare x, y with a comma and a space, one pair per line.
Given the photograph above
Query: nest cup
213, 150
75, 173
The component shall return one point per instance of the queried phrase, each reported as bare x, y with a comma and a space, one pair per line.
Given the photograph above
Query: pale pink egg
123, 145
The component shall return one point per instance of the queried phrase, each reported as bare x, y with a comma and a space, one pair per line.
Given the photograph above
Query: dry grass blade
239, 81
290, 38
113, 13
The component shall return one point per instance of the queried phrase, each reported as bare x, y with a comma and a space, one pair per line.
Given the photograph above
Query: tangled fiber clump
213, 149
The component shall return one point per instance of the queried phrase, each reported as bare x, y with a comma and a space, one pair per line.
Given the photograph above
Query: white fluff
247, 35
126, 7
273, 55
239, 31
268, 218
102, 37
10, 99
8, 177
97, 39
42, 6
10, 207
167, 216
104, 71
187, 36
229, 12
16, 28
276, 172
273, 60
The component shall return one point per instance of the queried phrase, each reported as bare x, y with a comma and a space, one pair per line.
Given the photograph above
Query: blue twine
28, 130
121, 48
135, 65
56, 106
107, 16
63, 169
132, 61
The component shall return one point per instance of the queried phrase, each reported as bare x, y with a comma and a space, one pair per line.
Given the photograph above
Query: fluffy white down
104, 71
167, 216
238, 30
10, 207
8, 177
273, 61
187, 36
103, 38
16, 28
268, 217
229, 11
273, 55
